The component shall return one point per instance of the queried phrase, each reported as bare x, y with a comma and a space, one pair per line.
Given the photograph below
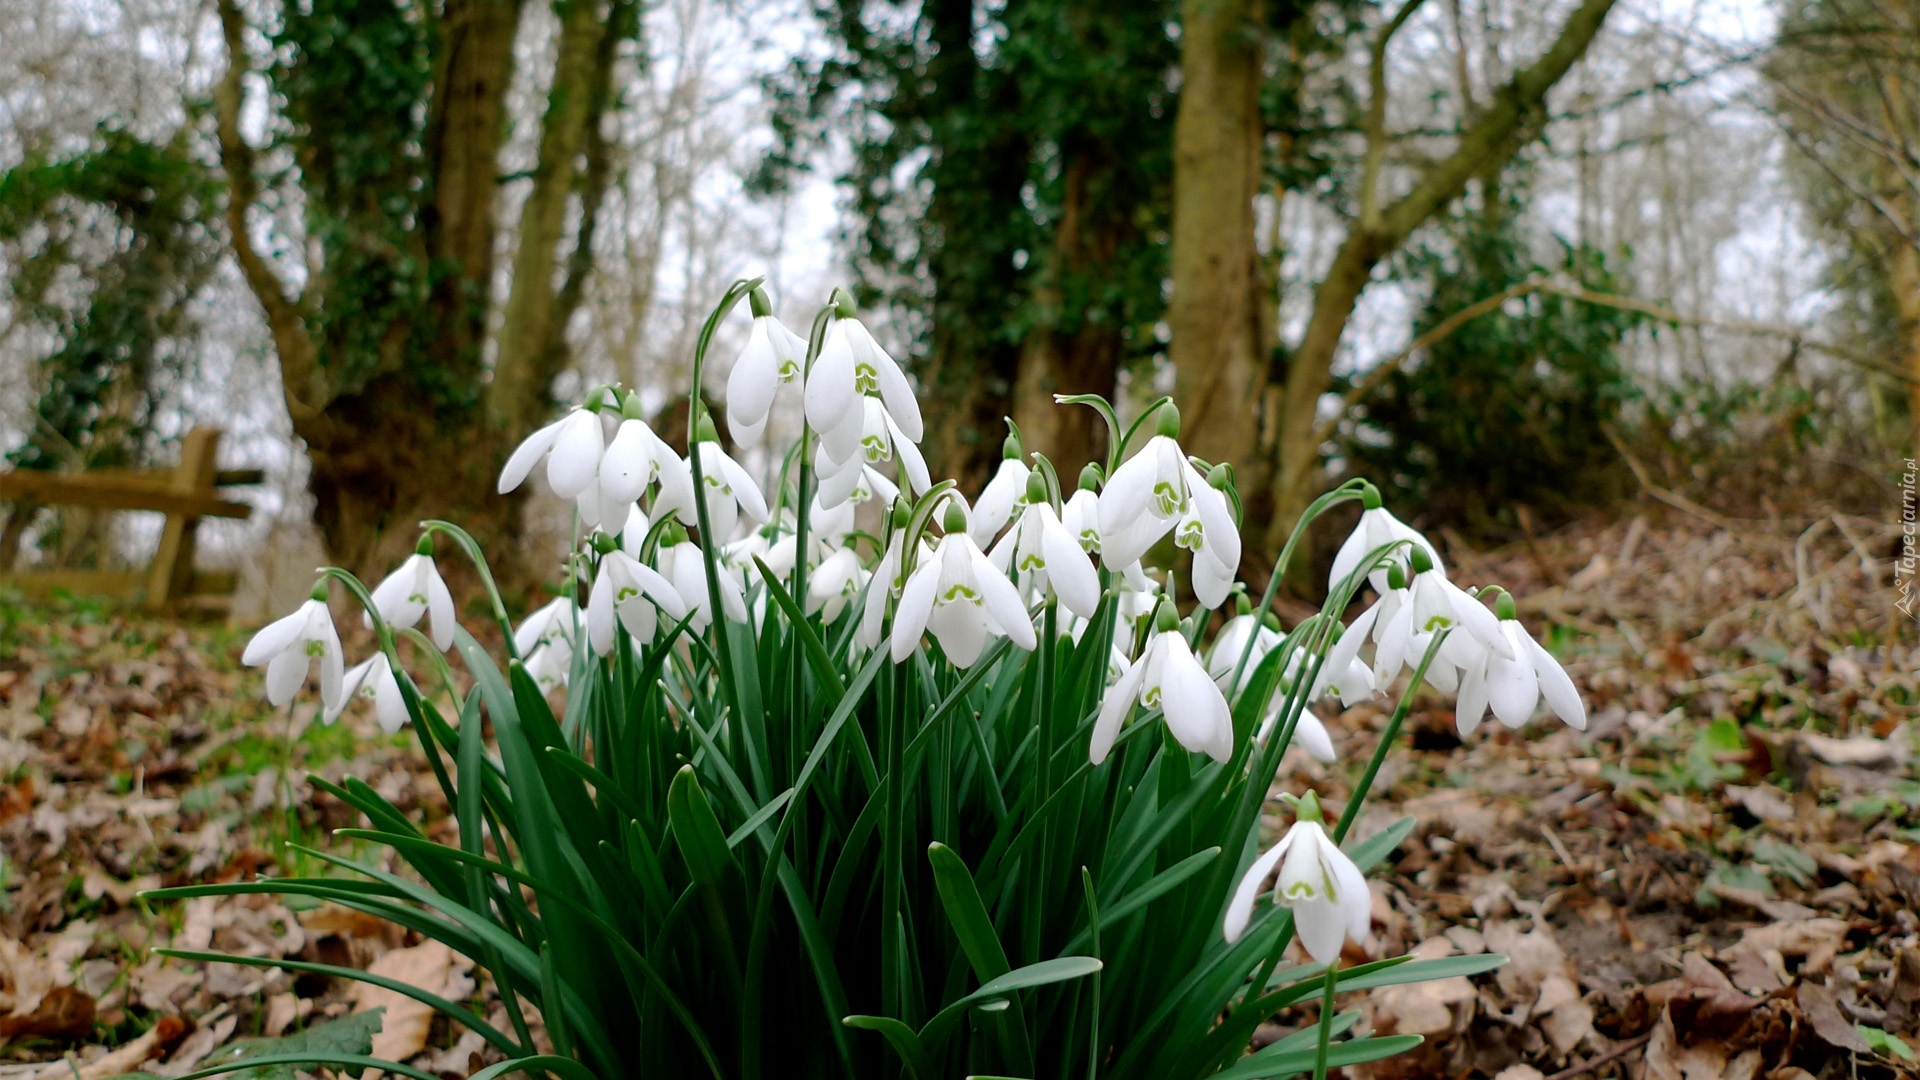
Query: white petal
1212, 580
830, 393
1216, 516
910, 615
600, 613
575, 459
1470, 707
1351, 894
754, 379
1002, 602
1562, 696
1114, 708
274, 638
1196, 712
1240, 908
286, 673
1127, 494
350, 684
894, 388
1069, 571
527, 455
1321, 927
995, 505
1311, 735
1513, 690
389, 706
961, 631
440, 609
333, 661
627, 468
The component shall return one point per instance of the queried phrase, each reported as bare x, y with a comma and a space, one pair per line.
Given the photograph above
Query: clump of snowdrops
857, 778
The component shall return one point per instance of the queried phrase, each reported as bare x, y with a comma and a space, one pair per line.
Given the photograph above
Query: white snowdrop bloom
1081, 516
413, 591
961, 598
1326, 892
770, 362
837, 581
288, 646
551, 622
1434, 603
571, 447
878, 438
828, 527
730, 492
1157, 489
1003, 496
1377, 528
1138, 595
1045, 556
1513, 688
888, 579
1168, 677
550, 664
627, 590
852, 365
1309, 733
636, 458
1231, 642
855, 482
681, 564
372, 680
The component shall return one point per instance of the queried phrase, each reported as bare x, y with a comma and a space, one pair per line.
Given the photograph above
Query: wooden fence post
172, 574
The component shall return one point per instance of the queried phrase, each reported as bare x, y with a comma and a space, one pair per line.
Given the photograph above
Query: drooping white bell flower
550, 664
1376, 529
372, 680
636, 458
627, 590
1325, 890
1003, 496
288, 646
888, 578
961, 598
413, 591
1081, 516
730, 490
838, 579
681, 564
572, 446
1513, 688
1309, 733
1138, 595
852, 365
770, 362
1168, 677
1231, 643
828, 528
855, 482
1045, 556
1157, 489
1434, 603
551, 622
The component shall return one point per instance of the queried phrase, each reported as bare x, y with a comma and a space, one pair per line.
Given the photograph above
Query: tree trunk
518, 397
1903, 274
1219, 352
1073, 352
1500, 130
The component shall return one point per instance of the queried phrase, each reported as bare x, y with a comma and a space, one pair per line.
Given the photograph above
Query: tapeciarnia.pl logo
1905, 566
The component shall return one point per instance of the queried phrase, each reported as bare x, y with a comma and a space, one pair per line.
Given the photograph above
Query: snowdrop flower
372, 680
1309, 733
1376, 529
1167, 677
414, 590
1434, 603
288, 646
888, 577
1512, 688
1158, 489
839, 579
682, 565
1325, 890
572, 446
875, 438
960, 597
770, 361
1138, 594
1003, 496
730, 490
551, 622
1081, 514
1231, 642
636, 458
855, 482
550, 664
851, 366
627, 590
1044, 554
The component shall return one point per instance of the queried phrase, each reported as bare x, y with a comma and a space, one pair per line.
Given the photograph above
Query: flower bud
1036, 488
603, 544
1305, 807
1091, 476
1220, 477
843, 305
1369, 496
319, 591
759, 303
902, 513
955, 519
1422, 562
1504, 608
630, 407
425, 546
1165, 618
704, 431
1168, 422
1011, 450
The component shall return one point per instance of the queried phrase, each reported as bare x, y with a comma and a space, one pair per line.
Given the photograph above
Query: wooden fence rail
185, 493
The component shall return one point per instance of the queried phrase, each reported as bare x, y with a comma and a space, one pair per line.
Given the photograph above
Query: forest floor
1720, 877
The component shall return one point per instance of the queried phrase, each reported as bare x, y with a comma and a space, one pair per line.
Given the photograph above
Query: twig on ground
1609, 1057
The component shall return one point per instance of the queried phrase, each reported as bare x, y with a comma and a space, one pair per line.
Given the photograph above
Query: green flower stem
1365, 784
1326, 1022
467, 544
1344, 493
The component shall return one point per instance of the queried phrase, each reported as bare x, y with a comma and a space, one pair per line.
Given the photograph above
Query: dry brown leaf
1764, 801
214, 1029
1865, 751
1751, 971
1819, 940
1520, 1072
1822, 1011
1422, 1008
431, 967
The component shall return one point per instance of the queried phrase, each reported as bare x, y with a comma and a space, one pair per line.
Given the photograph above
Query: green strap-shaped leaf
1041, 974
1294, 1062
905, 1043
967, 913
703, 844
